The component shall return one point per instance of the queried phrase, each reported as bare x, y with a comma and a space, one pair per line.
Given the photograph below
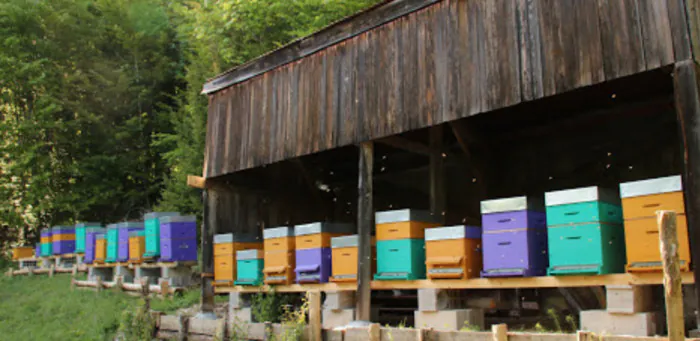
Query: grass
42, 308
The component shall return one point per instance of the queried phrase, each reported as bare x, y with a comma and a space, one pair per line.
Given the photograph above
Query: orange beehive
318, 235
225, 247
344, 258
404, 224
57, 237
137, 247
280, 258
453, 252
100, 249
22, 252
640, 201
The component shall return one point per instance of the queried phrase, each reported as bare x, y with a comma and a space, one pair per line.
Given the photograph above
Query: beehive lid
345, 241
130, 225
112, 226
520, 203
87, 224
100, 236
651, 186
453, 232
238, 238
278, 232
62, 229
583, 194
157, 215
95, 229
249, 254
46, 230
315, 228
398, 216
137, 233
178, 219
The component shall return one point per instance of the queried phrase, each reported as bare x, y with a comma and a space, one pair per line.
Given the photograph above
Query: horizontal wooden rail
649, 278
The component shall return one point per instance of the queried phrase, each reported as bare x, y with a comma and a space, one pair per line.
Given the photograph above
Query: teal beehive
250, 264
112, 241
584, 231
81, 234
151, 222
400, 259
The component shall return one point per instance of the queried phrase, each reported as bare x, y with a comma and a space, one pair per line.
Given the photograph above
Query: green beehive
400, 259
112, 241
81, 233
152, 231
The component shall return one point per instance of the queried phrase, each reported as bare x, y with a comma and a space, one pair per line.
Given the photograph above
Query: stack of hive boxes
226, 247
112, 243
123, 231
279, 245
91, 243
401, 243
313, 250
585, 232
152, 227
515, 237
344, 252
250, 264
81, 230
137, 246
453, 252
640, 201
22, 252
63, 238
178, 238
37, 250
46, 245
100, 248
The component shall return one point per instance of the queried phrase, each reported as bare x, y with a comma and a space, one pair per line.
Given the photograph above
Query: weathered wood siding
447, 61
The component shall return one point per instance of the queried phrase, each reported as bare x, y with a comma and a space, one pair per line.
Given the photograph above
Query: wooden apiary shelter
439, 105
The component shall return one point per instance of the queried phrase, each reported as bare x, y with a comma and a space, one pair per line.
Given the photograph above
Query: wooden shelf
477, 283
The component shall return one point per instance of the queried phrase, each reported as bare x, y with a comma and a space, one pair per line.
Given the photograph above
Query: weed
269, 307
239, 330
468, 327
294, 321
555, 319
572, 322
137, 324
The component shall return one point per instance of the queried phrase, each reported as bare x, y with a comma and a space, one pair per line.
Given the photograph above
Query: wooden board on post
210, 198
437, 173
673, 290
365, 224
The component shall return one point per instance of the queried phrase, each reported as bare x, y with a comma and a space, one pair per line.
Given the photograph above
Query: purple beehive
123, 230
313, 265
90, 244
178, 238
37, 250
63, 240
515, 237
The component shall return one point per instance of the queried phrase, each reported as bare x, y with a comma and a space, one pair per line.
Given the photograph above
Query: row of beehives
165, 236
587, 230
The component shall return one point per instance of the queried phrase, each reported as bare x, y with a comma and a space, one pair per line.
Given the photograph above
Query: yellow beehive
100, 249
404, 224
137, 246
453, 252
344, 252
63, 237
280, 256
22, 252
225, 247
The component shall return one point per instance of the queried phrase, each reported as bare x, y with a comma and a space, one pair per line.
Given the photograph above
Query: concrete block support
604, 322
180, 276
628, 299
152, 273
238, 300
339, 300
105, 273
450, 320
438, 299
126, 273
333, 318
241, 315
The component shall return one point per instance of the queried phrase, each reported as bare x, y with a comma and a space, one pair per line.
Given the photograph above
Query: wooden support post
267, 331
365, 225
314, 301
687, 103
51, 271
437, 173
673, 291
183, 326
500, 332
210, 199
98, 281
164, 288
119, 283
375, 332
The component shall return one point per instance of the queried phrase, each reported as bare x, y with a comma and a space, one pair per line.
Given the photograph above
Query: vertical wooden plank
621, 37
347, 94
332, 94
383, 98
302, 134
530, 50
397, 86
367, 89
656, 33
320, 107
264, 125
409, 75
231, 133
208, 145
427, 97
273, 119
365, 225
221, 133
454, 52
360, 63
293, 118
314, 300
692, 8
679, 29
501, 54
443, 24
687, 103
673, 289
208, 229
438, 196
470, 46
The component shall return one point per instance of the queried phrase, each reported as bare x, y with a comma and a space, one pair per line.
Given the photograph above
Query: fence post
314, 300
673, 291
267, 336
375, 332
183, 327
98, 280
500, 332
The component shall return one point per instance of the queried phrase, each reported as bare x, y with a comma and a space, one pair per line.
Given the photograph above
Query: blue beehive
585, 233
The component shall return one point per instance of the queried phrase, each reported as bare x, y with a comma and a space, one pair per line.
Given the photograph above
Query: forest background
101, 116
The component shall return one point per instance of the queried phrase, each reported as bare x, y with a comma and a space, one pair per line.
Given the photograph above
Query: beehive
344, 258
63, 240
250, 265
279, 257
46, 244
137, 246
123, 230
313, 251
640, 201
453, 252
100, 248
151, 222
178, 238
514, 237
22, 252
225, 248
401, 243
90, 243
112, 243
585, 234
81, 235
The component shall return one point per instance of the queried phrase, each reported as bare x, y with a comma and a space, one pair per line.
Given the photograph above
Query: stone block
332, 318
126, 273
438, 299
180, 276
339, 300
241, 315
628, 299
238, 300
604, 322
450, 320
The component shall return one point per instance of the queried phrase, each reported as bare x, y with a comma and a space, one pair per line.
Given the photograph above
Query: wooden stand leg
673, 291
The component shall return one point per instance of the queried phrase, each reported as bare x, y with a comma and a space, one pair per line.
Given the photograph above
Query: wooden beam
673, 289
195, 181
209, 226
469, 141
365, 225
438, 196
405, 144
314, 301
687, 103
